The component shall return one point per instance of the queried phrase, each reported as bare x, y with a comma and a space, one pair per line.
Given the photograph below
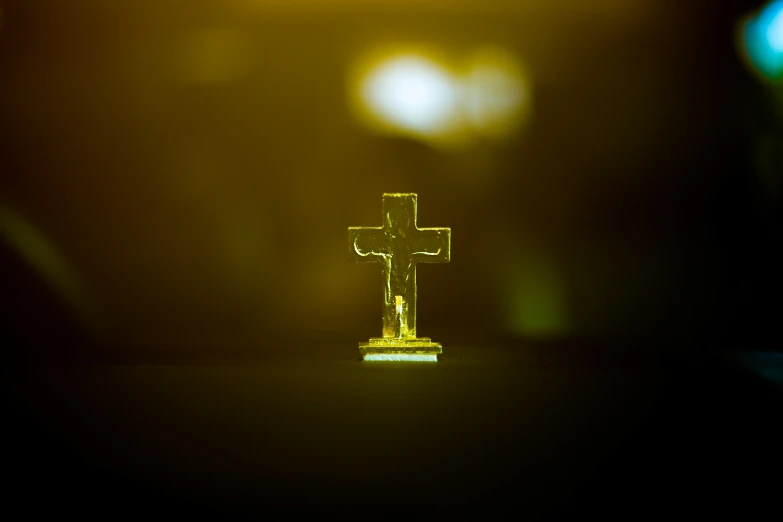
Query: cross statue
399, 245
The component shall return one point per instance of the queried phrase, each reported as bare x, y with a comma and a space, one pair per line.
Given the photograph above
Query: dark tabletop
536, 431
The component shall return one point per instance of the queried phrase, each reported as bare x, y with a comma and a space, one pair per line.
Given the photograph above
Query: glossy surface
521, 432
398, 246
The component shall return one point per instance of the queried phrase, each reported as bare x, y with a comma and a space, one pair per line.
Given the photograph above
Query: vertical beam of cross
399, 245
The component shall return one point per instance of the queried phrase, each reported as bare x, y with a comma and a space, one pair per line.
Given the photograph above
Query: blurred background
177, 178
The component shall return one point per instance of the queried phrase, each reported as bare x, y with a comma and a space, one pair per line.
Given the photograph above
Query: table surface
542, 432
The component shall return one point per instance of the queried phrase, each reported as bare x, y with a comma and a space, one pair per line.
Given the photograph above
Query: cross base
417, 349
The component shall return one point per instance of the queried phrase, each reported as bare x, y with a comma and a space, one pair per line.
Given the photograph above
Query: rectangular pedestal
420, 349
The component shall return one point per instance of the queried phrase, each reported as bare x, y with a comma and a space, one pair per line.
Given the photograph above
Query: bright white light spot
400, 357
446, 102
411, 93
774, 31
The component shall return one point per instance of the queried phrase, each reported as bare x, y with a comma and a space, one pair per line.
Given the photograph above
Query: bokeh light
51, 265
774, 32
537, 304
411, 93
496, 92
761, 39
419, 93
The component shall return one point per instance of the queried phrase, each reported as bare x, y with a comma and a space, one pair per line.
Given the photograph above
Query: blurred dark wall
194, 167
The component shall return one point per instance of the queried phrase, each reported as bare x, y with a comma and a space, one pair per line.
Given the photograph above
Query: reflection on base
400, 357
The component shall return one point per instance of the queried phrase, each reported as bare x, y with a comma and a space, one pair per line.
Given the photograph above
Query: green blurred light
40, 253
537, 305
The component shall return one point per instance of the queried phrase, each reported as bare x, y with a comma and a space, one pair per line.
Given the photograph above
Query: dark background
179, 319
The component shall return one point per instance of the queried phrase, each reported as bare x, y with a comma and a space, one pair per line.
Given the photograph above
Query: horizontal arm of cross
366, 244
435, 245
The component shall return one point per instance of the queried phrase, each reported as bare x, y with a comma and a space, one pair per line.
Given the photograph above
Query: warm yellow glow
420, 93
215, 56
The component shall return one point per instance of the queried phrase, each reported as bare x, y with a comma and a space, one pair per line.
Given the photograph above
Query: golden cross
399, 245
